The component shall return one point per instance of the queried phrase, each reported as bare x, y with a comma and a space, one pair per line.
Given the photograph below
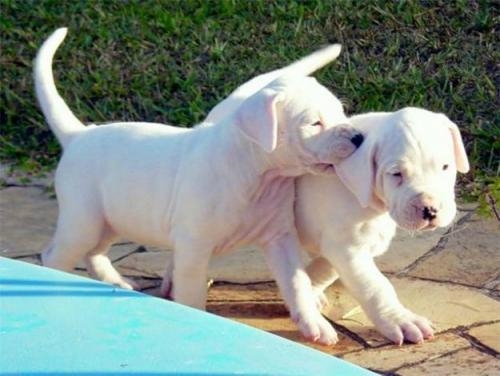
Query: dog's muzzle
329, 168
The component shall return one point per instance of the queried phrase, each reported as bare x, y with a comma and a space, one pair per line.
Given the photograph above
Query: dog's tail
303, 67
61, 120
311, 63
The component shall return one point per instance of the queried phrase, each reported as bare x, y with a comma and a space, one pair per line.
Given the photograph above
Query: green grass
171, 61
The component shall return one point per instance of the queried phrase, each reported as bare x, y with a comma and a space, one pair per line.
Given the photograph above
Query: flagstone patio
451, 276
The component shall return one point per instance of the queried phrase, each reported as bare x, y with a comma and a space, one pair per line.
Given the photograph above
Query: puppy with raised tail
402, 175
199, 191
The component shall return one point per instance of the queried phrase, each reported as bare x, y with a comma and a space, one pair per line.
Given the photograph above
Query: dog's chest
267, 215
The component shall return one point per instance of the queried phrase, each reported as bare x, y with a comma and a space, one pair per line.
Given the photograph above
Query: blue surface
57, 323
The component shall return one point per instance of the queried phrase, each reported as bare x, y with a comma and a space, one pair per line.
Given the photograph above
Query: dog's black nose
429, 213
358, 139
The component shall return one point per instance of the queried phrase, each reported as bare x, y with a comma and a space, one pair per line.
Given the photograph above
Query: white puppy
403, 174
200, 191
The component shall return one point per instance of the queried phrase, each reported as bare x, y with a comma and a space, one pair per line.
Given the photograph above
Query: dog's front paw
346, 141
316, 329
402, 324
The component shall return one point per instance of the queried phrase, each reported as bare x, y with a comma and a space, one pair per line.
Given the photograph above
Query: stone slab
390, 358
407, 247
242, 266
144, 264
488, 335
461, 363
470, 257
254, 292
27, 220
447, 306
150, 286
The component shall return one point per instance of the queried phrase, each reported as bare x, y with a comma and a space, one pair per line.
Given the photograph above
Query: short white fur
199, 191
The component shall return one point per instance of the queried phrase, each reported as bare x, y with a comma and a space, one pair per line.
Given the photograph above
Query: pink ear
357, 172
258, 120
461, 159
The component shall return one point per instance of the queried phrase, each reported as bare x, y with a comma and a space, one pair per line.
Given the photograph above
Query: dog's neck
279, 160
232, 148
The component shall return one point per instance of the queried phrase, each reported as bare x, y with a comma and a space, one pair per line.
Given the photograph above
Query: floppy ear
357, 172
461, 160
258, 120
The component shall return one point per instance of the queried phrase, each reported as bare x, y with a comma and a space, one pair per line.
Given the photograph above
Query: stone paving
451, 276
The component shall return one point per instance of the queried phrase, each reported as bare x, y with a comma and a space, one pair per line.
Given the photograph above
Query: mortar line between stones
413, 364
17, 257
494, 295
17, 185
483, 290
136, 250
386, 373
478, 345
460, 331
273, 301
439, 246
355, 337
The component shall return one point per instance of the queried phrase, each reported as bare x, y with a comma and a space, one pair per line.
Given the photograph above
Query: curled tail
61, 120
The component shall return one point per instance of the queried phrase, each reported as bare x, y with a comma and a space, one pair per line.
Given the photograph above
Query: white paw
126, 283
117, 280
316, 328
402, 324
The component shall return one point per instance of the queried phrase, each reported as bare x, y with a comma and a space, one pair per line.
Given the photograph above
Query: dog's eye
445, 167
317, 124
397, 177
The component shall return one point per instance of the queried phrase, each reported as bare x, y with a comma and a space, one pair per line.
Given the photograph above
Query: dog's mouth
419, 227
430, 227
323, 168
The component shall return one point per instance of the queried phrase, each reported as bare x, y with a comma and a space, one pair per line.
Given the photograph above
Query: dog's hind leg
321, 272
283, 257
191, 259
322, 275
99, 265
77, 233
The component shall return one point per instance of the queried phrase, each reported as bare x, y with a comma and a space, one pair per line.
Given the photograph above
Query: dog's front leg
283, 257
359, 273
191, 259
